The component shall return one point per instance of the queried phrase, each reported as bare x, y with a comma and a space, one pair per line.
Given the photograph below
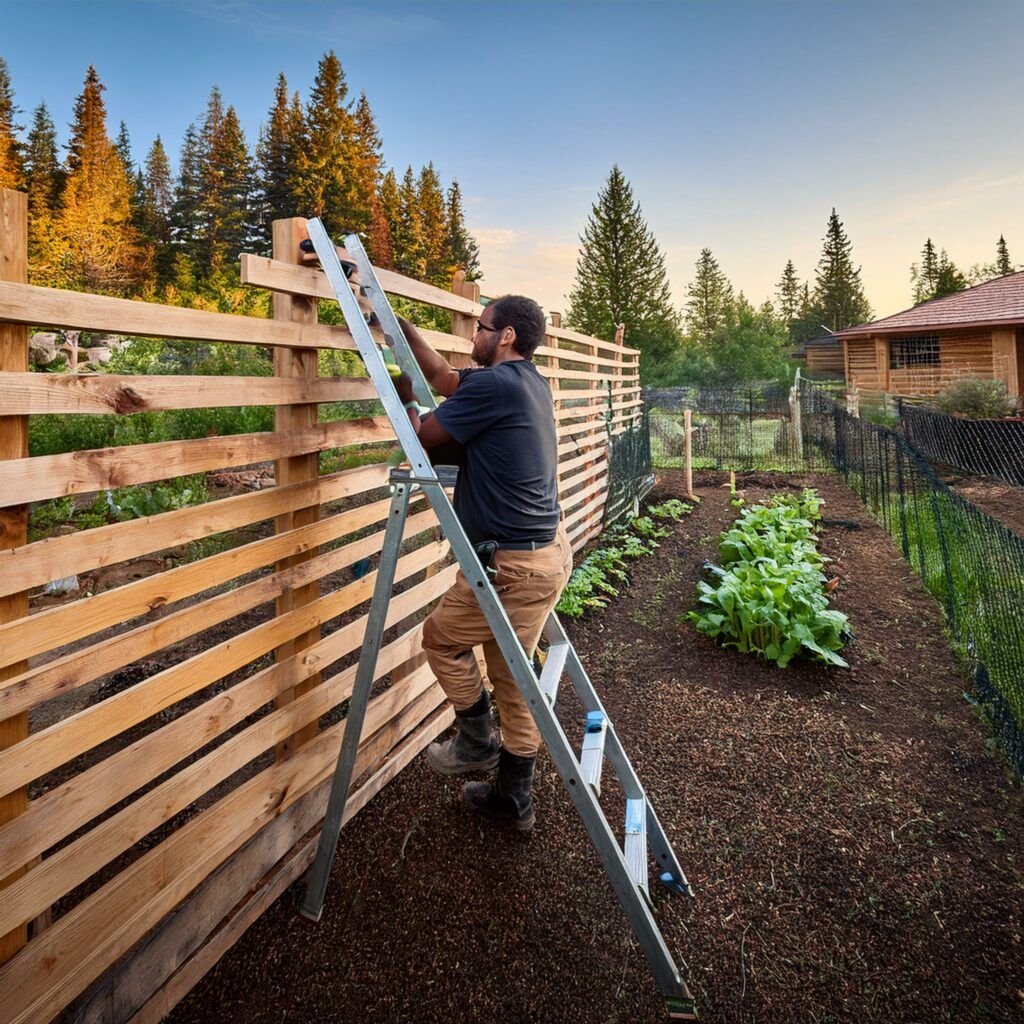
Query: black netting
970, 562
630, 475
990, 447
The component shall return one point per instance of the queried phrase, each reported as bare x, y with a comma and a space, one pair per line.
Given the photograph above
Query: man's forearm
432, 363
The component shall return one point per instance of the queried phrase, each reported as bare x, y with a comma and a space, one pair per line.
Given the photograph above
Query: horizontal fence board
57, 557
45, 750
594, 442
66, 673
63, 624
40, 394
65, 958
54, 476
54, 307
586, 511
573, 500
68, 867
601, 456
599, 468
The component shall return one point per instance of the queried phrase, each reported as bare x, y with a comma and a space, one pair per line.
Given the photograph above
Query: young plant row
769, 596
596, 580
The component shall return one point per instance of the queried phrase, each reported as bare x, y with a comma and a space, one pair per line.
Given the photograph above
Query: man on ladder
506, 497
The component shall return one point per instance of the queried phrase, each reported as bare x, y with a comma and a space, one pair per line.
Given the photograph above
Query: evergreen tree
431, 206
1003, 264
93, 244
788, 292
839, 300
275, 158
387, 224
407, 238
949, 279
461, 251
185, 218
123, 145
11, 168
44, 180
156, 200
621, 278
924, 277
365, 169
709, 299
324, 183
43, 175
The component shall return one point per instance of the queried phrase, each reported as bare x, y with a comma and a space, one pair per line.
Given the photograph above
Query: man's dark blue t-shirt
508, 489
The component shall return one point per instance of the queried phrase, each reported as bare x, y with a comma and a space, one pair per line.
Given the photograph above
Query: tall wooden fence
166, 744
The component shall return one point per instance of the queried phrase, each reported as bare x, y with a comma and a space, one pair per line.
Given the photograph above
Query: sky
739, 124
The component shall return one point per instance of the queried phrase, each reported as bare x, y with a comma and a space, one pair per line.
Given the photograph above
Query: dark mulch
855, 846
1001, 501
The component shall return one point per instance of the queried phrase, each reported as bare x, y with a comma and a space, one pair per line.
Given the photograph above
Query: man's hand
403, 385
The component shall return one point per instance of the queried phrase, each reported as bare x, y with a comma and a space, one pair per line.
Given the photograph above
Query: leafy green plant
138, 502
769, 597
646, 527
975, 398
673, 508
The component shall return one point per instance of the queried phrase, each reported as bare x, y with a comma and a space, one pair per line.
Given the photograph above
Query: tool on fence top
626, 865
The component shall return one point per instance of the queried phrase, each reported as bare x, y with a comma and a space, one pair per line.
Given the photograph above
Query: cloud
316, 19
920, 206
514, 260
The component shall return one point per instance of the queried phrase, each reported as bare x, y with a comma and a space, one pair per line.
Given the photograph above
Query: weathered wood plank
40, 394
32, 565
53, 307
53, 476
14, 518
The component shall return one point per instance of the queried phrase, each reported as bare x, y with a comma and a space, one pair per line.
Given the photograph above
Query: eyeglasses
481, 326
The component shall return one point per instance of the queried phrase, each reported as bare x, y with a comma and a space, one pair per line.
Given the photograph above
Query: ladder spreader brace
626, 865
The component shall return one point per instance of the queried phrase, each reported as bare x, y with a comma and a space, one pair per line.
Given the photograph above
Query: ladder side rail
388, 321
319, 875
375, 367
638, 913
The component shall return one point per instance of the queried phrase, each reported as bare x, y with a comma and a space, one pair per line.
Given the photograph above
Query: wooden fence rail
167, 734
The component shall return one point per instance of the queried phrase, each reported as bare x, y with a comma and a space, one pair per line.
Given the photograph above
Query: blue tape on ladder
595, 721
635, 810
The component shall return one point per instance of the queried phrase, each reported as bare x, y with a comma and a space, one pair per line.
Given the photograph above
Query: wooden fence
166, 744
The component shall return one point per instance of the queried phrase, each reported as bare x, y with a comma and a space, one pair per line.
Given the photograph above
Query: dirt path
855, 847
1001, 501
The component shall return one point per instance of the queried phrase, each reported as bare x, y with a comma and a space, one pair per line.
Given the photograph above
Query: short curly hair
525, 317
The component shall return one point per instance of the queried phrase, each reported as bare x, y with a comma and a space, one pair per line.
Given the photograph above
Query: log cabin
976, 332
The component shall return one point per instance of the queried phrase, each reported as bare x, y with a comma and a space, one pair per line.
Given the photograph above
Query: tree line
719, 335
99, 221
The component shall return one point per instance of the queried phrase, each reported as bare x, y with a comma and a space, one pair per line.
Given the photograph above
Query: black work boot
473, 748
508, 797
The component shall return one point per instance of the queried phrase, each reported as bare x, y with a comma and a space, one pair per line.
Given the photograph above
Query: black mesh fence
741, 427
630, 474
972, 563
989, 447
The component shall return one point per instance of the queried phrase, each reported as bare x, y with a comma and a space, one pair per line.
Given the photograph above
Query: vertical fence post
291, 362
688, 450
464, 324
13, 518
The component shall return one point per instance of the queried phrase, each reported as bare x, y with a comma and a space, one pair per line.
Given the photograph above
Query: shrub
975, 398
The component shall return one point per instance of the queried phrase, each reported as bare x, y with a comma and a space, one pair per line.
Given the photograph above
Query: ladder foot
676, 885
679, 1008
311, 915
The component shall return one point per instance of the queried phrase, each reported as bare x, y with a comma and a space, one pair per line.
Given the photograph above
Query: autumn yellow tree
93, 244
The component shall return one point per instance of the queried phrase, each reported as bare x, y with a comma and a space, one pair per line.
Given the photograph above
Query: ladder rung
592, 754
636, 843
551, 673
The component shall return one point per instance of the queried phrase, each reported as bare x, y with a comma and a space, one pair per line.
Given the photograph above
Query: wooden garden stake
688, 450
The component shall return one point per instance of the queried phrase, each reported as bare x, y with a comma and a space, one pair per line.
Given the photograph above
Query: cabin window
920, 350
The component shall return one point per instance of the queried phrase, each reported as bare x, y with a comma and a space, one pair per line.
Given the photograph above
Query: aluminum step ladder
626, 864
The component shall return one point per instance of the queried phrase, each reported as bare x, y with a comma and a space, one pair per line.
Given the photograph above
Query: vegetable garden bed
856, 845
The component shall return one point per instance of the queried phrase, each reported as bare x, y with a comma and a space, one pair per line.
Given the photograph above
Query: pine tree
788, 292
324, 184
156, 200
407, 238
44, 181
709, 299
123, 145
924, 278
387, 224
431, 205
621, 279
461, 251
839, 300
1003, 264
949, 279
275, 158
185, 209
94, 245
11, 169
365, 169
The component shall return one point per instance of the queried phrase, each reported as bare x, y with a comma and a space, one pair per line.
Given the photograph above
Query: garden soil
854, 840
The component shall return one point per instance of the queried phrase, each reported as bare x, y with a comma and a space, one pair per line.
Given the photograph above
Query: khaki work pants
528, 584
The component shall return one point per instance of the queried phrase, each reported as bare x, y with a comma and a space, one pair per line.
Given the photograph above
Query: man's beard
486, 356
